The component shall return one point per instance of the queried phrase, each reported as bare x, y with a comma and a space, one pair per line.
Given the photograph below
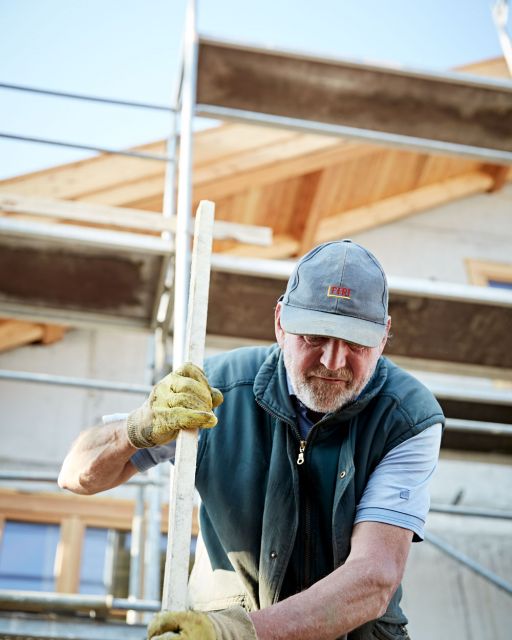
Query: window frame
480, 272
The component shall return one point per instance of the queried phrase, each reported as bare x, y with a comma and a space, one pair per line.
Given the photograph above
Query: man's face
326, 373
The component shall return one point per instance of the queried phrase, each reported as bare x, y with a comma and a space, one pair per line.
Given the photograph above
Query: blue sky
129, 49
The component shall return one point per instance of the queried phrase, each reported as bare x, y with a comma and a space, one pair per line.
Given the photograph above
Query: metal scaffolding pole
469, 563
184, 200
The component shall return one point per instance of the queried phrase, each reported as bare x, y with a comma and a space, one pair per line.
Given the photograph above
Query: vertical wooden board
69, 555
182, 486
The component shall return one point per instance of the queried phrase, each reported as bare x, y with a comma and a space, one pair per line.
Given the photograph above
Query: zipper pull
302, 447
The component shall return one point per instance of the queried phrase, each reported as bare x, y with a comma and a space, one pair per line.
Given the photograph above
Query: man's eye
314, 341
358, 348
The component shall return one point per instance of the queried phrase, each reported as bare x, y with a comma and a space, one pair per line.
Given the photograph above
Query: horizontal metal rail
67, 602
87, 98
475, 512
87, 147
36, 626
69, 381
143, 389
50, 476
468, 562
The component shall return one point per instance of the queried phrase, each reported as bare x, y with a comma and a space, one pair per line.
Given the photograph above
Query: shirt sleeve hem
396, 518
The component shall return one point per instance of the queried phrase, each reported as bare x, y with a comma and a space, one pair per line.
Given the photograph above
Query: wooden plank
122, 218
283, 246
16, 333
400, 206
231, 140
499, 173
75, 180
481, 271
303, 155
52, 333
436, 111
326, 185
105, 513
181, 501
68, 558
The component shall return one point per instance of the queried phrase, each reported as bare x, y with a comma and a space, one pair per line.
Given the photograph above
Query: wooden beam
122, 218
52, 333
77, 179
305, 154
398, 207
16, 333
499, 174
94, 511
68, 559
283, 246
325, 186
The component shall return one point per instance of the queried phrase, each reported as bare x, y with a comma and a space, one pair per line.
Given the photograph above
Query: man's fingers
189, 370
217, 397
182, 418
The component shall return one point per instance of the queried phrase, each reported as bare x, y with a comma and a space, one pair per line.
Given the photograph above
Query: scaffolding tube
87, 147
50, 476
468, 562
70, 381
70, 602
476, 512
87, 98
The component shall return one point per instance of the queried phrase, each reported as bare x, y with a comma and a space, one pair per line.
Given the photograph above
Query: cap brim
319, 323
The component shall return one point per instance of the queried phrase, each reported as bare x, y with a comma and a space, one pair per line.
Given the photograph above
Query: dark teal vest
249, 481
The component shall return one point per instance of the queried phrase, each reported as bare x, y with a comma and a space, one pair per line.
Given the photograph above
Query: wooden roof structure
306, 187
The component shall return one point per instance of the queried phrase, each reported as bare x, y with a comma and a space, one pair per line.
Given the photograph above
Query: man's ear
386, 335
277, 325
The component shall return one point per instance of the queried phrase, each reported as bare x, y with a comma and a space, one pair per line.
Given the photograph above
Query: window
490, 274
27, 556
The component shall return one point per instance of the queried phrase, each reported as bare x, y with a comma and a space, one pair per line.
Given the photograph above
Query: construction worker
315, 481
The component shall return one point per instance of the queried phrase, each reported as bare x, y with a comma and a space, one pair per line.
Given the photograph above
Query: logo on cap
338, 292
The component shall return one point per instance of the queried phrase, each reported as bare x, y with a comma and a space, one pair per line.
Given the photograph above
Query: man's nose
334, 354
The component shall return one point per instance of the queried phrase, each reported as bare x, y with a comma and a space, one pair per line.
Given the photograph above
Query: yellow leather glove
181, 400
228, 624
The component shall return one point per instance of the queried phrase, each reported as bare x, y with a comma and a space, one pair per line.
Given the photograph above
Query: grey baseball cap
338, 290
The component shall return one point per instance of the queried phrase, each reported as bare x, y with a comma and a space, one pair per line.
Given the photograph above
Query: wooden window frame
482, 271
74, 514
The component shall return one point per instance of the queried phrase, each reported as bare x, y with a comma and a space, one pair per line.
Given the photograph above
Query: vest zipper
302, 448
306, 526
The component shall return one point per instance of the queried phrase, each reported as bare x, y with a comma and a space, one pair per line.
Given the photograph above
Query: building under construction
415, 166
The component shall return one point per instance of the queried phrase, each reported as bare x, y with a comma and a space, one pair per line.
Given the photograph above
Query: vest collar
271, 389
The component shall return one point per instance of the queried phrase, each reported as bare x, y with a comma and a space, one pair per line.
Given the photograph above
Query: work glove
229, 624
181, 400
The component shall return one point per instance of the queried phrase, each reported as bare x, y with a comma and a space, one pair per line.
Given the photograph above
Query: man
313, 484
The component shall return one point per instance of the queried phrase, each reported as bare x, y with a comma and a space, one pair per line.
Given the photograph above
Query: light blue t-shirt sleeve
144, 459
397, 492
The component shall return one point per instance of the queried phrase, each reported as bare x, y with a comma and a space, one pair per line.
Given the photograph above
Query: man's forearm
98, 460
355, 593
325, 611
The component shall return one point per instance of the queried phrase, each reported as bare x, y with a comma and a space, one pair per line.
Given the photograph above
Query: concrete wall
39, 422
435, 244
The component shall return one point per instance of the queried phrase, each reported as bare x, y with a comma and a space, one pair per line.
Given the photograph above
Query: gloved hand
181, 400
228, 624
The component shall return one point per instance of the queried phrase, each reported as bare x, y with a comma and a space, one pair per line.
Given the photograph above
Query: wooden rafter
400, 206
17, 333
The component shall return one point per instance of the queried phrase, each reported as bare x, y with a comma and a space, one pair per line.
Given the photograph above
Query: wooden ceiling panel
220, 143
86, 177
